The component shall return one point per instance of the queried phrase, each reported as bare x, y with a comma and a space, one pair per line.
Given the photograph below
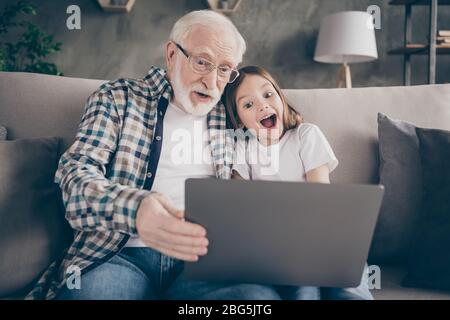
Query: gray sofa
33, 105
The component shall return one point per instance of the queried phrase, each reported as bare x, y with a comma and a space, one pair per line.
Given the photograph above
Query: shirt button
160, 113
158, 138
149, 174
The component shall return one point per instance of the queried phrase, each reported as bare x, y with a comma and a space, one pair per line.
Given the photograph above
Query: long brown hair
291, 118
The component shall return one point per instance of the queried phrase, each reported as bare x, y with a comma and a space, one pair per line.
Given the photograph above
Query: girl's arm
320, 174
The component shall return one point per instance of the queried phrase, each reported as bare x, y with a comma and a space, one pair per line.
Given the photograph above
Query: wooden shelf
431, 49
420, 49
215, 5
108, 7
417, 2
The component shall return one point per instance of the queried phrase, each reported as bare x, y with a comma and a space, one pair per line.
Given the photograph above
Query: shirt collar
159, 84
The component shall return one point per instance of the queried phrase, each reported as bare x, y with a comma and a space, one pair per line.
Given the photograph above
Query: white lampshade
346, 37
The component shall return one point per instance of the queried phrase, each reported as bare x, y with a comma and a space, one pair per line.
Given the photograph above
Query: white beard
182, 95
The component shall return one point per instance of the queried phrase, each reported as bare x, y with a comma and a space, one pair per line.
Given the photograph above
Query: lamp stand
344, 79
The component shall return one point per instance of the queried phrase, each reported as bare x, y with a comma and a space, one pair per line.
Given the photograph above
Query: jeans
143, 273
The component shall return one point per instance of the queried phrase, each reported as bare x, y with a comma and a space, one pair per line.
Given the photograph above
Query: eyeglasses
203, 66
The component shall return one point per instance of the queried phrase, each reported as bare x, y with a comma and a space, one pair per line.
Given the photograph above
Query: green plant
28, 53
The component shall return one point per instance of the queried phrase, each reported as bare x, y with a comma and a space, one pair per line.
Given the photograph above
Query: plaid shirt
102, 175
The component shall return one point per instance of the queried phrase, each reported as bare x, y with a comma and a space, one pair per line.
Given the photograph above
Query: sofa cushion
33, 231
429, 264
401, 175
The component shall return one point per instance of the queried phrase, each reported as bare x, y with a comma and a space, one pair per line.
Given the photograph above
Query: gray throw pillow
429, 263
3, 133
33, 230
401, 174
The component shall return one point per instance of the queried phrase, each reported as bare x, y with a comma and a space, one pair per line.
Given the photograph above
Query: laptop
282, 233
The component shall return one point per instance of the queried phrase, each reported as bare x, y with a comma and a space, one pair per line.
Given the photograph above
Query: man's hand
162, 227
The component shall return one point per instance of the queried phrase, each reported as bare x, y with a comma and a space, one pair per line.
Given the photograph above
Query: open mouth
269, 121
202, 95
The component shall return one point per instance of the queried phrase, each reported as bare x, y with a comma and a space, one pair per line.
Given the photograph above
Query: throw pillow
400, 173
33, 230
429, 263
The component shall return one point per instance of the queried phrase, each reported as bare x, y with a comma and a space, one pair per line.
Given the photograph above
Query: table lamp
346, 37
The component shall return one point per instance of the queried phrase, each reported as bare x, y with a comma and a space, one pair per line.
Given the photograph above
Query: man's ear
171, 49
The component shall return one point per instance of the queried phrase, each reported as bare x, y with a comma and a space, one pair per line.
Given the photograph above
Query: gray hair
207, 18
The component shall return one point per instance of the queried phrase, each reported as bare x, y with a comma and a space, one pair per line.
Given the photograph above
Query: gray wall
281, 36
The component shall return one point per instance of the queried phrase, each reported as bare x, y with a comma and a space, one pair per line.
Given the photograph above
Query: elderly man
122, 180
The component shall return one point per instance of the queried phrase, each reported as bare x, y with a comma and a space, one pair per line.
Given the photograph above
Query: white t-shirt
185, 153
299, 151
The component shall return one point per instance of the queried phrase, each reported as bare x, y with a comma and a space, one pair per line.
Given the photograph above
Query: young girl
280, 147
